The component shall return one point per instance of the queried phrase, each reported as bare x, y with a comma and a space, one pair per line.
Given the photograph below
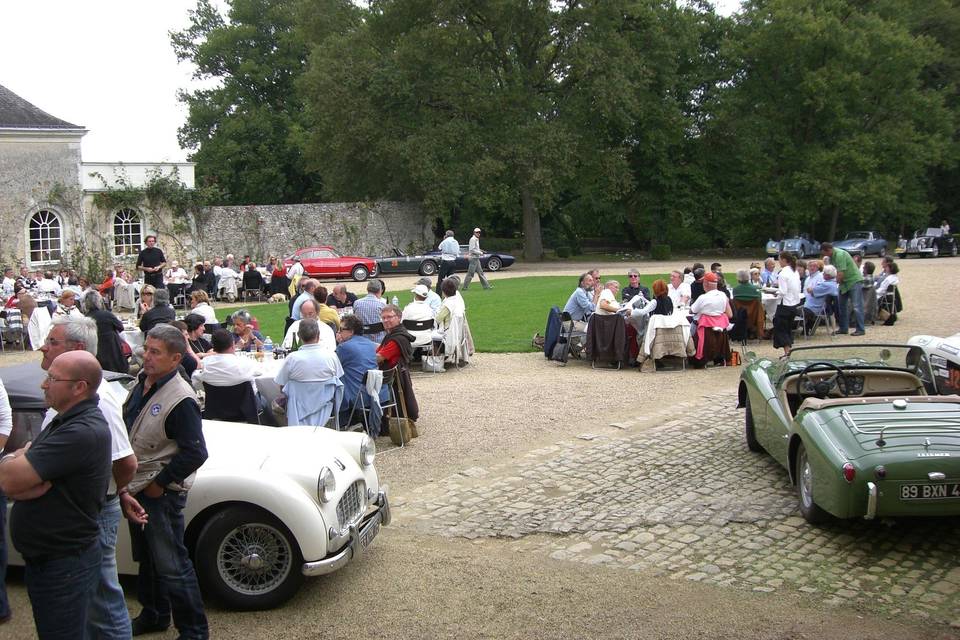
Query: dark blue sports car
428, 263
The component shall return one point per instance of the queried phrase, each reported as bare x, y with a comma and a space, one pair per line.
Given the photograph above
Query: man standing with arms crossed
151, 261
107, 614
58, 482
163, 417
474, 266
449, 250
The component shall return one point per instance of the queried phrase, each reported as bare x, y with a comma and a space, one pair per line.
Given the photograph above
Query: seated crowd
793, 295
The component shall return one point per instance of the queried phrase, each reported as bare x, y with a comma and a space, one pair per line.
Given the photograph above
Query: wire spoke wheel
254, 558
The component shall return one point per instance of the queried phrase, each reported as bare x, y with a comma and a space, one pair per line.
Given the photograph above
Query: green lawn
503, 320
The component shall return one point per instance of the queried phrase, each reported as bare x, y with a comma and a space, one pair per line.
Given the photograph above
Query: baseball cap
420, 290
711, 277
477, 230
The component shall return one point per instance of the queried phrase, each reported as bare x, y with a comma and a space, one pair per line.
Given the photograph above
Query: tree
494, 104
247, 129
826, 122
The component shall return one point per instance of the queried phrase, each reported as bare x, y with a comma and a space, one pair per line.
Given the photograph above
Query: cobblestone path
683, 498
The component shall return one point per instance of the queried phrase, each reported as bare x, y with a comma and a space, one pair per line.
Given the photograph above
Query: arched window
126, 232
46, 237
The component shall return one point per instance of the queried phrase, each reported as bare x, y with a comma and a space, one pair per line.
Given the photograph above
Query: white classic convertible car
269, 507
944, 355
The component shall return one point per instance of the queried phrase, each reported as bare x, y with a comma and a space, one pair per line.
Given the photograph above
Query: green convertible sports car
860, 429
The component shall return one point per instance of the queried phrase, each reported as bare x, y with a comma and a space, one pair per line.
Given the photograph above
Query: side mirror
885, 355
751, 356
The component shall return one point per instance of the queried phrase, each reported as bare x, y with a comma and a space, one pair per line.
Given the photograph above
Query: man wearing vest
163, 417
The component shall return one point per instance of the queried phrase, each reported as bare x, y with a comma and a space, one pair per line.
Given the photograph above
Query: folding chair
252, 285
236, 403
364, 404
370, 329
888, 302
12, 330
568, 332
824, 318
606, 336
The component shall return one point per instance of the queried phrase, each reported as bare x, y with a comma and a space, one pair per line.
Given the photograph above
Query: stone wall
364, 229
38, 174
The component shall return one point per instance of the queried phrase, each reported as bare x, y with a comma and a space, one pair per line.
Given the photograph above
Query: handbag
433, 364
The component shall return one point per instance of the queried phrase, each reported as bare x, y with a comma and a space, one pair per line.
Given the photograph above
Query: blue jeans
108, 616
60, 590
167, 583
4, 603
854, 295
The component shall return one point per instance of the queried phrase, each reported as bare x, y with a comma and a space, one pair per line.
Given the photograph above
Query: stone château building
47, 211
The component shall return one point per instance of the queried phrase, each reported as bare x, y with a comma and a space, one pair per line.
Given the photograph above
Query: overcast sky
107, 65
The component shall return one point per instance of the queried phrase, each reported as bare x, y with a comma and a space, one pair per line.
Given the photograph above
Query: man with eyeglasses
59, 482
107, 615
396, 350
634, 288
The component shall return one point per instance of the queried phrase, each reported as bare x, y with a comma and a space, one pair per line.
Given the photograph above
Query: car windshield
932, 231
871, 356
858, 235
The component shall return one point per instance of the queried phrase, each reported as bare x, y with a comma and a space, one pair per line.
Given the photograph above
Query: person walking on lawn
474, 266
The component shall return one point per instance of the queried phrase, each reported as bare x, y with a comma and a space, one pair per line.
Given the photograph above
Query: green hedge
660, 252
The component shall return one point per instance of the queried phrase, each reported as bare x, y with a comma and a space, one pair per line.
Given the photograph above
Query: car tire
749, 430
375, 271
883, 252
233, 539
953, 251
428, 268
935, 252
360, 273
808, 508
494, 264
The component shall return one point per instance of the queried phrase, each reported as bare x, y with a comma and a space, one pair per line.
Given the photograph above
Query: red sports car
325, 263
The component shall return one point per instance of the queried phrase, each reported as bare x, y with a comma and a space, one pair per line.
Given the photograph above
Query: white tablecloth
771, 301
133, 337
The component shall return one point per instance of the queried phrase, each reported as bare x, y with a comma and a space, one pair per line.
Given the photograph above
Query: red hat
711, 277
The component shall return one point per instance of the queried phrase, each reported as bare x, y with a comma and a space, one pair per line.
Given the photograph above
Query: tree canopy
647, 120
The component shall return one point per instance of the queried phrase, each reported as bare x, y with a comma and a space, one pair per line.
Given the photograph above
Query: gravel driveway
427, 578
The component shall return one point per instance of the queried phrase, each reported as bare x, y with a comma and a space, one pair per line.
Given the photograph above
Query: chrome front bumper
354, 548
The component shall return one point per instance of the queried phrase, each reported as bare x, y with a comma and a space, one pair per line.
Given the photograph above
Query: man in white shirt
107, 616
449, 251
224, 368
433, 300
49, 285
175, 274
712, 302
418, 311
474, 267
8, 282
607, 304
309, 310
678, 289
296, 269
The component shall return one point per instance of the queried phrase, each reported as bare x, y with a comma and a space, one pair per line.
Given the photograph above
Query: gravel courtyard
547, 502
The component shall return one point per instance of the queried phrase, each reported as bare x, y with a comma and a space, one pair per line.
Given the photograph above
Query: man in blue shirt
449, 251
581, 304
819, 294
368, 309
357, 356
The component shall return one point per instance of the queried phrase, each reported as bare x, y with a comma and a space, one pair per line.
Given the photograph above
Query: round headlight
326, 484
368, 450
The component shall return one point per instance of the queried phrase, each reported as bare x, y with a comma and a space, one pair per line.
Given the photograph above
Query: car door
329, 264
462, 259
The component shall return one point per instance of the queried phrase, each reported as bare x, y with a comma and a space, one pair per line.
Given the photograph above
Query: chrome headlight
326, 484
368, 450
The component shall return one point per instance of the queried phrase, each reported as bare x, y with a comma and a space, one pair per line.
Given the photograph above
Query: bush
660, 252
564, 252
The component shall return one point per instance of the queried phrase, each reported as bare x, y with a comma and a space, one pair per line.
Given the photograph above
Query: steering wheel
821, 388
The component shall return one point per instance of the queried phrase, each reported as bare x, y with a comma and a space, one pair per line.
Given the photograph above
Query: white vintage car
269, 507
944, 355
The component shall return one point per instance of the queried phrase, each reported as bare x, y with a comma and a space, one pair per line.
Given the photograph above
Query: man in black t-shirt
634, 287
341, 298
151, 261
59, 484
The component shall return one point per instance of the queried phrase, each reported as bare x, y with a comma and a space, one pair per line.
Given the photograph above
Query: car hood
925, 425
857, 242
240, 446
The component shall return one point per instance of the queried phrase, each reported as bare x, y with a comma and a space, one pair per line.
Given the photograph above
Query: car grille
351, 506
